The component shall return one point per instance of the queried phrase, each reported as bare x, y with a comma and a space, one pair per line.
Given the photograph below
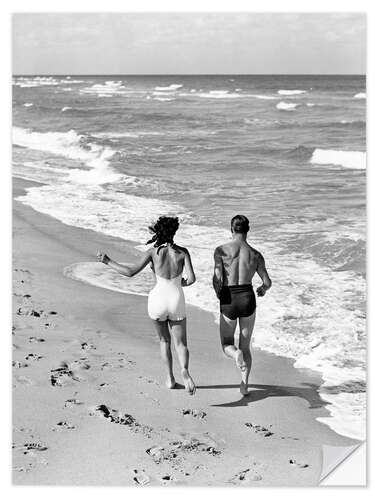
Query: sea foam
173, 86
348, 159
291, 92
73, 146
286, 106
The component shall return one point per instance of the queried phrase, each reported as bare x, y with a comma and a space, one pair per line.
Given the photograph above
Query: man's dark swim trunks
237, 301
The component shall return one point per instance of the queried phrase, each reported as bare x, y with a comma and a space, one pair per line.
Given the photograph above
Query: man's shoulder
221, 248
256, 253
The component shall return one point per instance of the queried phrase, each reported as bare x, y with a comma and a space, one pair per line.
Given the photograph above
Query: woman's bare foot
170, 383
188, 382
244, 389
240, 361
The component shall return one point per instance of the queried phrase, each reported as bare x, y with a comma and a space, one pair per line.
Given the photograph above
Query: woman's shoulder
180, 249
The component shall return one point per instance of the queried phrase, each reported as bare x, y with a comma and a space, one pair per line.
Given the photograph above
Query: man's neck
239, 236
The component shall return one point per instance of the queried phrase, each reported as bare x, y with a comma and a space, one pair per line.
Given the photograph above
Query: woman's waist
169, 284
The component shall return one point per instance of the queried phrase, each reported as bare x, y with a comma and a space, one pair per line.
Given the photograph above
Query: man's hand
261, 291
102, 257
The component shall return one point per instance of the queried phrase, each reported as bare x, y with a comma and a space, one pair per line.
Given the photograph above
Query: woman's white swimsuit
166, 301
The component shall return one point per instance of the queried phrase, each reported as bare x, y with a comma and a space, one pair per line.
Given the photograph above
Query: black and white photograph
189, 247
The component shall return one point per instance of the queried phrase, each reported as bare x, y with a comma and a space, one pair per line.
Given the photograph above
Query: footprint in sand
148, 380
259, 429
199, 414
140, 477
167, 479
19, 364
103, 386
63, 375
246, 476
29, 448
119, 363
61, 426
36, 339
33, 357
23, 311
176, 450
297, 464
80, 364
87, 346
69, 403
25, 468
117, 417
20, 270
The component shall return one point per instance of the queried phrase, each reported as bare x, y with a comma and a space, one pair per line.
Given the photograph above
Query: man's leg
227, 329
162, 330
178, 330
246, 330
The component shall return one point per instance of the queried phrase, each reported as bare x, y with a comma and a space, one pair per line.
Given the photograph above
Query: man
236, 262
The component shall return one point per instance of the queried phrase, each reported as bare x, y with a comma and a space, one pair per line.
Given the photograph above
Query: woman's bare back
168, 261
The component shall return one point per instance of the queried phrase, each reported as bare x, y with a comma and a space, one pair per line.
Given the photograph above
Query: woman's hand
102, 257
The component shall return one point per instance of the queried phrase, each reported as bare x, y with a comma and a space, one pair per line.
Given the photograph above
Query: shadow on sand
309, 392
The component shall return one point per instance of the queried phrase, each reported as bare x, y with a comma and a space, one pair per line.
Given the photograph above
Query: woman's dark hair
164, 230
240, 224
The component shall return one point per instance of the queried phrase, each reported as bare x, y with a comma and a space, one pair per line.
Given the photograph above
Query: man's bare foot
244, 389
240, 361
188, 382
170, 383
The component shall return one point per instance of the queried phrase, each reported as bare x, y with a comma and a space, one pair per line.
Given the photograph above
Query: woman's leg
178, 330
162, 330
246, 330
227, 329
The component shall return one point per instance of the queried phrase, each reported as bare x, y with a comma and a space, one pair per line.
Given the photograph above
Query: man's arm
217, 279
263, 274
127, 270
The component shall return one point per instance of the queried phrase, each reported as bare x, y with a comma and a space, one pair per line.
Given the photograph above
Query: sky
189, 43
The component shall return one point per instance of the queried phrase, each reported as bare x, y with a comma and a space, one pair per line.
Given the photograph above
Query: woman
166, 301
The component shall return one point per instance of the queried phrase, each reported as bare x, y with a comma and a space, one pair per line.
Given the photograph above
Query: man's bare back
239, 261
236, 262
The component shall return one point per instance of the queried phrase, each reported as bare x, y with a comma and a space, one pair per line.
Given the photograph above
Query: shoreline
285, 400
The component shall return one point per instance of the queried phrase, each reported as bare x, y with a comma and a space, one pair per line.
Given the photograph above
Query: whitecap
291, 92
348, 159
173, 86
286, 106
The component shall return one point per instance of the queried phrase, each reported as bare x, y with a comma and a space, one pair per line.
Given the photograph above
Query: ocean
115, 152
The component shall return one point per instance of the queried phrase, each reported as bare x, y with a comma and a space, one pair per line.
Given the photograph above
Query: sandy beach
89, 402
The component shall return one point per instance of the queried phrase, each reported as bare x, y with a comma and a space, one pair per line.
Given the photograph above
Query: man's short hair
240, 224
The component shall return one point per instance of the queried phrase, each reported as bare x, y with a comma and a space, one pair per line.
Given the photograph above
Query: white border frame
352, 471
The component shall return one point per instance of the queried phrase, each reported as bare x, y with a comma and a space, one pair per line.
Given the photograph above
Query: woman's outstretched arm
128, 270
